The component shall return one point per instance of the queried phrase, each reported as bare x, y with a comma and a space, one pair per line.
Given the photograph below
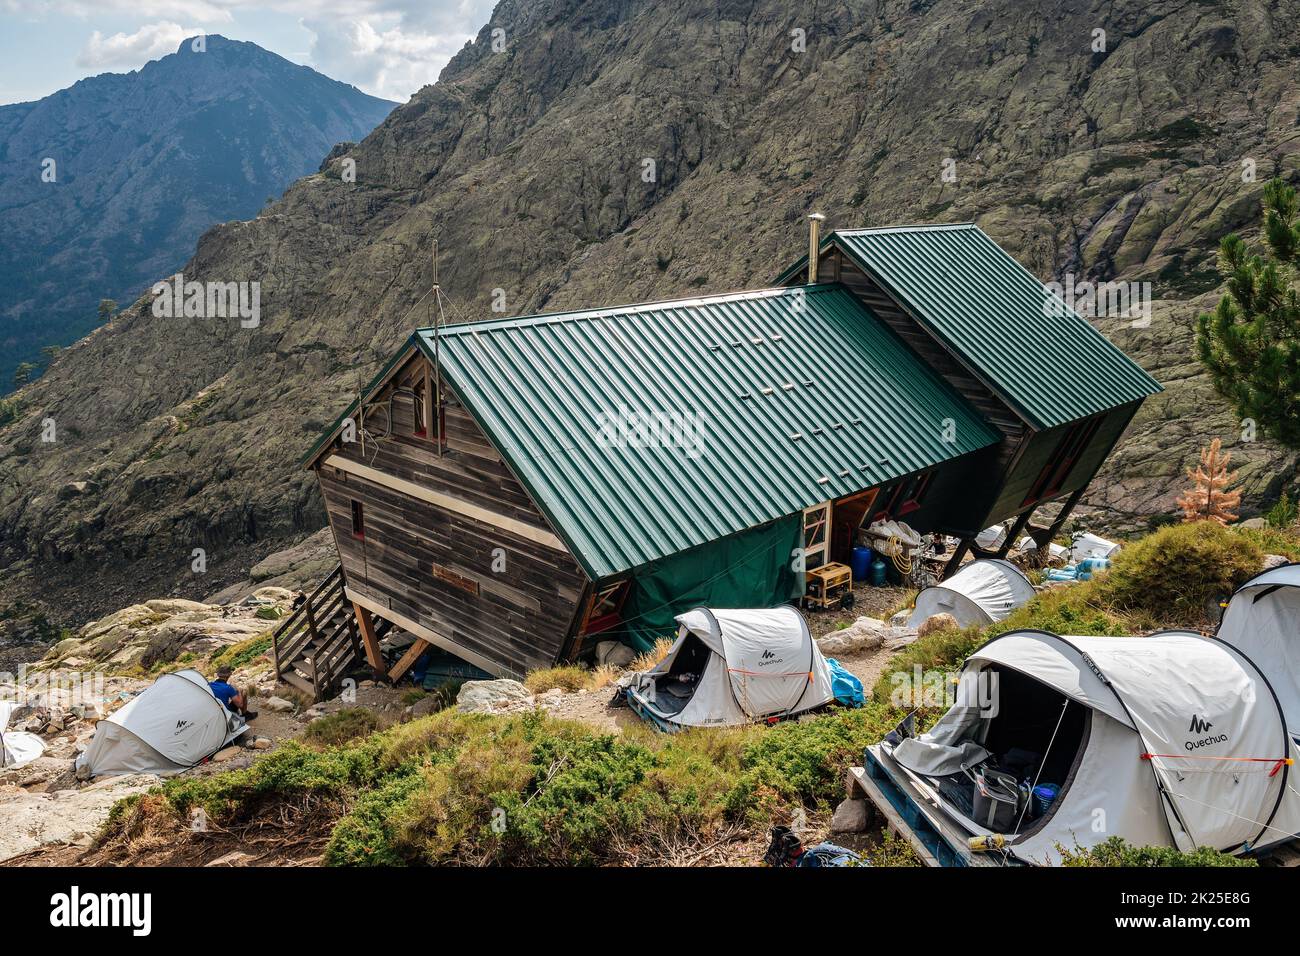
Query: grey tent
174, 724
1169, 740
981, 592
1263, 622
731, 667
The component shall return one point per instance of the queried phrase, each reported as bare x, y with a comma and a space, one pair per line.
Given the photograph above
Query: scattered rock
937, 622
1274, 561
850, 817
425, 706
227, 753
489, 696
233, 858
277, 704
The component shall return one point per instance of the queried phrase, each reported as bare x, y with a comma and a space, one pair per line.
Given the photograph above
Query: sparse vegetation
342, 726
1116, 852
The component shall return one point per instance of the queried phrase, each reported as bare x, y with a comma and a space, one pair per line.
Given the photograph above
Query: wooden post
367, 625
1061, 518
410, 657
1015, 531
955, 561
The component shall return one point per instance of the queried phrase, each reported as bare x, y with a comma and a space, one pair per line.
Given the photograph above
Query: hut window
1068, 451
606, 607
358, 520
421, 429
816, 535
911, 494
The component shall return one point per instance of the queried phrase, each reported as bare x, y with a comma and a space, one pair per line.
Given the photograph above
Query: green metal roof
1050, 365
796, 396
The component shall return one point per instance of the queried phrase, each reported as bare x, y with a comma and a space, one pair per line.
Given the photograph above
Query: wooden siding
432, 564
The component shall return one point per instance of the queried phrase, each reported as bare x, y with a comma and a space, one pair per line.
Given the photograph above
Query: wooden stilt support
1014, 534
954, 562
367, 625
1043, 536
410, 657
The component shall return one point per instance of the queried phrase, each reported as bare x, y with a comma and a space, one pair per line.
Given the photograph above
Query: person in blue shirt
230, 695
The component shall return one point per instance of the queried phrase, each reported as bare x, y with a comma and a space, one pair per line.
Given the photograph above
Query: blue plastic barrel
860, 562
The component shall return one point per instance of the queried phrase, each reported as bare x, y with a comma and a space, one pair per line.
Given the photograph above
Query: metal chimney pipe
815, 221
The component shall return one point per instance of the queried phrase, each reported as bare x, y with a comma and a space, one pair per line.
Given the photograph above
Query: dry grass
650, 658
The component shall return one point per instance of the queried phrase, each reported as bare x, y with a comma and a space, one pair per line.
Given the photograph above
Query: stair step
297, 680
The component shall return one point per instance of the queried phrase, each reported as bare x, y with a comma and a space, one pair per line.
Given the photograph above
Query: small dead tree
1209, 498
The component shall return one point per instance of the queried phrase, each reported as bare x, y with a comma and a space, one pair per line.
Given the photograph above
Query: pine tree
1209, 498
1251, 342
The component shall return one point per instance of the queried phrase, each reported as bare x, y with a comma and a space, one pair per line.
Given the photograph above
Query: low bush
1116, 852
342, 726
1178, 572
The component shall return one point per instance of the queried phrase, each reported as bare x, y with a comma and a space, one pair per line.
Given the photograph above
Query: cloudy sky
389, 48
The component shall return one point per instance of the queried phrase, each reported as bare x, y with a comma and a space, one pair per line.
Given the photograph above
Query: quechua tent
174, 724
1170, 740
732, 667
981, 592
1263, 622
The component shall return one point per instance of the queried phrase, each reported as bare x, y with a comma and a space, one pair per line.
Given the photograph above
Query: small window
358, 520
421, 429
911, 493
605, 608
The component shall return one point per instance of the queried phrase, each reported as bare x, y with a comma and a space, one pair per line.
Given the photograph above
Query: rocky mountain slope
142, 164
530, 167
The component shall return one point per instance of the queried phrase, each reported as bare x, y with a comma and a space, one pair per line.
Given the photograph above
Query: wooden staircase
318, 644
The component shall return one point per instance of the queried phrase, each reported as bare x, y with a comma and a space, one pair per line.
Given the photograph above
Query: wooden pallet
908, 813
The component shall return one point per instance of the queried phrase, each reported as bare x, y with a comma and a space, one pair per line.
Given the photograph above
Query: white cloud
132, 50
389, 48
383, 54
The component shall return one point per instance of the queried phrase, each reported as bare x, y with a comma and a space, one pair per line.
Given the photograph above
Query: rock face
162, 631
614, 154
144, 162
62, 816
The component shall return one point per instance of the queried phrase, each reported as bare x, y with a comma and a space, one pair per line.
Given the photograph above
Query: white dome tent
981, 592
731, 667
1263, 622
173, 725
1169, 740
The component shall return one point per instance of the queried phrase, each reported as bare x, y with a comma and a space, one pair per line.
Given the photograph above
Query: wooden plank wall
435, 566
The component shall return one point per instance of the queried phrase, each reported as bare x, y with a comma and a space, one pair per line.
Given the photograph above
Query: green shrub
342, 726
241, 654
1116, 852
941, 650
1071, 609
1283, 514
1174, 574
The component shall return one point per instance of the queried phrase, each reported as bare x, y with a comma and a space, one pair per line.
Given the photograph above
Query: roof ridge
545, 318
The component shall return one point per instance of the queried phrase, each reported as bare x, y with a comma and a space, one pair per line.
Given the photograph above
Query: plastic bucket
1044, 796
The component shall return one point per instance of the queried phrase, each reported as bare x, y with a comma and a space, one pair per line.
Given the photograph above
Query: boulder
937, 622
278, 705
850, 816
1274, 561
487, 696
226, 753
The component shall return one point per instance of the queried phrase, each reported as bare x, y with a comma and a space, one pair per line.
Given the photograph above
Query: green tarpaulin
751, 569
